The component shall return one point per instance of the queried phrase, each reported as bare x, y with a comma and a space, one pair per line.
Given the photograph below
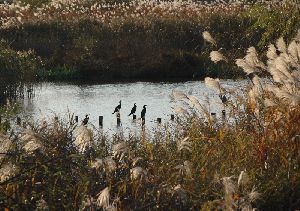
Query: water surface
101, 99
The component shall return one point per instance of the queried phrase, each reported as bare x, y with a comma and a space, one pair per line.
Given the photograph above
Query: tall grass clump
17, 69
243, 159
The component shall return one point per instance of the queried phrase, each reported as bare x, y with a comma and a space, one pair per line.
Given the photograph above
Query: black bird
85, 120
133, 110
117, 107
223, 98
143, 112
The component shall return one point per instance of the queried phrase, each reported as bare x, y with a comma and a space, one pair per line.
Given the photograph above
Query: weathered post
118, 118
223, 114
159, 120
18, 121
101, 121
76, 119
172, 117
143, 121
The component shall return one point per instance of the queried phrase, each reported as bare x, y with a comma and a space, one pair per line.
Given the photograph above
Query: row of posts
159, 120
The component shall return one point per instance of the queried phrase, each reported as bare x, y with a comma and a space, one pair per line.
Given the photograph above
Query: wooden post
172, 117
76, 119
118, 119
159, 120
101, 121
143, 121
223, 114
18, 121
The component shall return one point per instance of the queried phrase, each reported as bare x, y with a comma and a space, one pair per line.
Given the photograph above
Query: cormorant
117, 107
143, 112
133, 110
223, 98
86, 119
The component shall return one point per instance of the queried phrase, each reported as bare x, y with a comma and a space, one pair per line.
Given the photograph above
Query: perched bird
117, 107
86, 119
133, 110
223, 98
143, 112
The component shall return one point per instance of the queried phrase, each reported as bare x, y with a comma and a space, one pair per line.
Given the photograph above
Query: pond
101, 99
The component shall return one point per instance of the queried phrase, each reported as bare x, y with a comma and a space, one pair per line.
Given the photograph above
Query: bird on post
223, 98
143, 112
86, 119
133, 110
117, 108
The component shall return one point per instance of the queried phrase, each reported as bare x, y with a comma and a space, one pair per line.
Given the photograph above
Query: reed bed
142, 39
245, 159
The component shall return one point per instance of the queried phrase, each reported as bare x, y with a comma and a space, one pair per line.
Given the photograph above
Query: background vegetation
150, 40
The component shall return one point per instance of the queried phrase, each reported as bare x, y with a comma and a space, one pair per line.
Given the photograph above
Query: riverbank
142, 40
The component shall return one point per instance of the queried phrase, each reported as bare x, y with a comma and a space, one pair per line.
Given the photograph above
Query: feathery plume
137, 173
228, 185
178, 95
119, 150
83, 138
253, 195
110, 164
7, 171
216, 56
208, 38
248, 69
243, 178
281, 46
184, 144
179, 110
213, 83
271, 53
97, 164
103, 198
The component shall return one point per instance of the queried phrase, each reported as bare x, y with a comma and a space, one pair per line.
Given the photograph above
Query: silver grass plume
243, 178
271, 53
253, 195
97, 164
216, 57
293, 51
5, 144
103, 198
213, 83
184, 144
7, 170
252, 59
120, 150
248, 69
281, 46
137, 173
83, 138
109, 164
208, 38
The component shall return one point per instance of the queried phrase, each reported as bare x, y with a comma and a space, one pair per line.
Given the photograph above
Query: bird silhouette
86, 119
223, 98
117, 108
133, 110
143, 112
